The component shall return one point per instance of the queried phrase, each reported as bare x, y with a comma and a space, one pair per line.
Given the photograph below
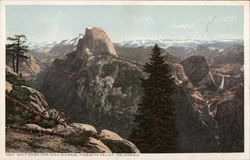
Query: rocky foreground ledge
75, 137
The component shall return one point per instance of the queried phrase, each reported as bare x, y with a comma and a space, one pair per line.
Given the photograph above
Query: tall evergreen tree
17, 49
155, 126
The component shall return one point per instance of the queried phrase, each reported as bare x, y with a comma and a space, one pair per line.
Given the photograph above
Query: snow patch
89, 27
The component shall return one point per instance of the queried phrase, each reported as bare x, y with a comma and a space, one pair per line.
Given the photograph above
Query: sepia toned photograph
134, 78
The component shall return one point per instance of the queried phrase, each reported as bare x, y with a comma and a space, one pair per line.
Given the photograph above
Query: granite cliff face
96, 41
196, 68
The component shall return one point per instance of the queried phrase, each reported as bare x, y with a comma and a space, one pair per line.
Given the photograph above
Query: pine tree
11, 51
16, 49
155, 126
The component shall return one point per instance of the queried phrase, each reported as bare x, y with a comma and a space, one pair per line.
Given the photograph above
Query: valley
97, 82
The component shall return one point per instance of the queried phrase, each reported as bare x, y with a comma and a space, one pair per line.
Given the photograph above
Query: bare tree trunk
13, 62
17, 56
17, 64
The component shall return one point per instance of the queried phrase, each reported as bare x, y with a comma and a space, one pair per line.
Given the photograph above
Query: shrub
16, 115
47, 123
77, 139
20, 93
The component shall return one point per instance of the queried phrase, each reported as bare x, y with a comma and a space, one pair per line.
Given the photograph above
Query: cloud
144, 19
183, 26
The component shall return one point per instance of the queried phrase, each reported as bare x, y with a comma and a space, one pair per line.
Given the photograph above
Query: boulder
34, 127
59, 129
98, 146
78, 127
116, 143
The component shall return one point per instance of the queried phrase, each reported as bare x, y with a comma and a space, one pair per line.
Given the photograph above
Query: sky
44, 23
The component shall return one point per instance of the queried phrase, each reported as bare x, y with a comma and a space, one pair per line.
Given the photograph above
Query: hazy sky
54, 23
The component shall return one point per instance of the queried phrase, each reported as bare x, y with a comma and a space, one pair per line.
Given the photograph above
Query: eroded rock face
196, 68
97, 41
228, 110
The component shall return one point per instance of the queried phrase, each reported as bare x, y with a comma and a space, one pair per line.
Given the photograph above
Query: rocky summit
96, 41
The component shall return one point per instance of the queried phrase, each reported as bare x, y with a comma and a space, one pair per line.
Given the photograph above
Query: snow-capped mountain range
49, 45
163, 43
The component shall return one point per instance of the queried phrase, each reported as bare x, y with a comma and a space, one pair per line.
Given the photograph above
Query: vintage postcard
125, 80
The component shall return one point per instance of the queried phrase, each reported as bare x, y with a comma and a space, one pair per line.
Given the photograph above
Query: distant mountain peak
97, 41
